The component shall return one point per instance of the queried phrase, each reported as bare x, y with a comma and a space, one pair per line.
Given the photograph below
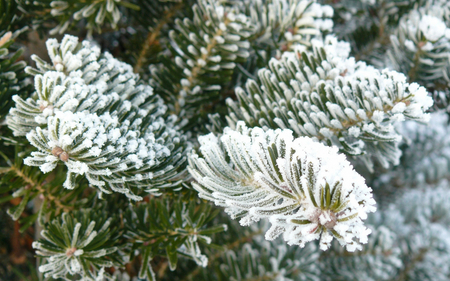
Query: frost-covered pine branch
91, 113
420, 219
379, 259
296, 90
425, 153
307, 190
282, 25
328, 96
206, 49
180, 228
13, 81
262, 260
228, 43
421, 48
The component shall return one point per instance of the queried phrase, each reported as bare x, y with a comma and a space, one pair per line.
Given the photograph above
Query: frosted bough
307, 190
91, 113
326, 95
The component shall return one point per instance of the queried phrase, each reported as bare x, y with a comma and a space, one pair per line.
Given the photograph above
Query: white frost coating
432, 27
307, 190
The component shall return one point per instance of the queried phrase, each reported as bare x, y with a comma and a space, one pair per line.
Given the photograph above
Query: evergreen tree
224, 140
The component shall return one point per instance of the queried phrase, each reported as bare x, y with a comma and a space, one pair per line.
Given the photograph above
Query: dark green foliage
378, 260
204, 54
150, 27
265, 261
95, 13
171, 229
307, 94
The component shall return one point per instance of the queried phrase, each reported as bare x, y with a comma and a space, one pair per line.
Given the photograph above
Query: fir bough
328, 96
305, 189
91, 113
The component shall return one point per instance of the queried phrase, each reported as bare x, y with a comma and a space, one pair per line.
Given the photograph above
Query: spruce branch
94, 12
379, 259
206, 50
25, 184
230, 246
12, 79
265, 261
420, 219
40, 188
425, 154
420, 47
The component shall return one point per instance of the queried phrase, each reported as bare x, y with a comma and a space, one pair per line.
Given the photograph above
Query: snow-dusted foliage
421, 46
91, 113
292, 23
78, 245
380, 258
328, 96
95, 13
12, 78
307, 190
206, 51
309, 102
267, 261
423, 232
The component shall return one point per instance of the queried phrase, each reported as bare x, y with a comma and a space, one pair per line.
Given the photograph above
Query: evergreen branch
326, 95
259, 174
124, 142
412, 73
175, 229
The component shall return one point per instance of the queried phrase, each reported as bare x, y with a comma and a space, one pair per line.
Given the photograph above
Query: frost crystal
307, 190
